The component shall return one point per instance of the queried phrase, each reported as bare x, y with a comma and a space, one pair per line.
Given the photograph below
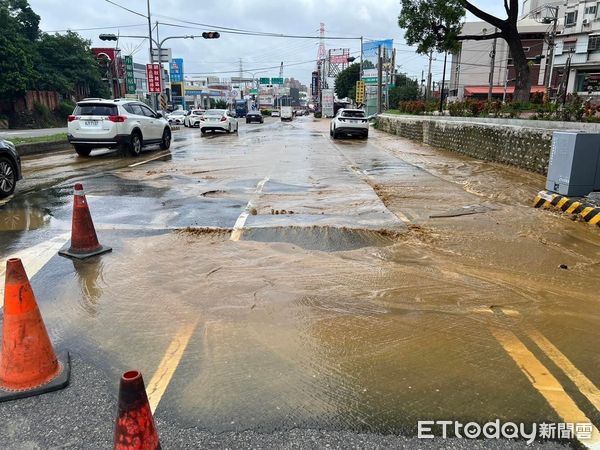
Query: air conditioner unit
586, 22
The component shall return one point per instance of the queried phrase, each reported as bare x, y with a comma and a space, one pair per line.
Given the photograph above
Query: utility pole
443, 84
393, 69
550, 53
379, 81
428, 90
492, 64
566, 78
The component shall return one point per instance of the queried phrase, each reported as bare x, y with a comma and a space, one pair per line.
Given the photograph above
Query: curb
586, 211
42, 147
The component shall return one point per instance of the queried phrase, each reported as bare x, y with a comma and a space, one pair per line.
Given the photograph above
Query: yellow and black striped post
586, 211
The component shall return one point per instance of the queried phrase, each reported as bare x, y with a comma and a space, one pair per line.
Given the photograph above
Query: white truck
287, 113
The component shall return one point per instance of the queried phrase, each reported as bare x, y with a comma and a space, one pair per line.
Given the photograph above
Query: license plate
91, 123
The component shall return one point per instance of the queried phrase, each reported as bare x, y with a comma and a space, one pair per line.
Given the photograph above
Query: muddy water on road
364, 327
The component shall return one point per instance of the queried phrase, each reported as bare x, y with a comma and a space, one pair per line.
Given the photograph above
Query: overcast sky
373, 19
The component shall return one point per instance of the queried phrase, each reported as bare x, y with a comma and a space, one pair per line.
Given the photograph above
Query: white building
579, 48
470, 66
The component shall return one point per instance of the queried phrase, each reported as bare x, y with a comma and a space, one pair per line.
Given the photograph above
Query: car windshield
215, 112
179, 112
95, 109
197, 112
353, 114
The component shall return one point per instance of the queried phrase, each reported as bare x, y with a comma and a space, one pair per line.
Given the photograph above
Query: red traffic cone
135, 428
84, 242
28, 364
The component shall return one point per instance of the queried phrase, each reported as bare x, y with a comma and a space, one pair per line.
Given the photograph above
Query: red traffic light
211, 35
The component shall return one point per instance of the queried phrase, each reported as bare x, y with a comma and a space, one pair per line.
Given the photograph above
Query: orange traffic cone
135, 428
28, 364
84, 242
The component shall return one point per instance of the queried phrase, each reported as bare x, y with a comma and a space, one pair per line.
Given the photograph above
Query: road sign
265, 81
276, 80
129, 78
153, 75
327, 102
165, 55
360, 91
176, 70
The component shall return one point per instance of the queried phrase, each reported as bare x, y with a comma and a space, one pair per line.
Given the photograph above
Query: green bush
265, 112
65, 108
42, 111
318, 114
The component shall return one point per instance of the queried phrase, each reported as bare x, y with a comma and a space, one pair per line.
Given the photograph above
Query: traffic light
211, 35
108, 37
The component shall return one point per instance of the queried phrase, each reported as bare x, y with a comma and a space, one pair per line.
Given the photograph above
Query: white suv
352, 122
121, 123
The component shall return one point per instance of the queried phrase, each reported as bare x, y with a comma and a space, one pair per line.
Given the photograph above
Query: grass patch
39, 139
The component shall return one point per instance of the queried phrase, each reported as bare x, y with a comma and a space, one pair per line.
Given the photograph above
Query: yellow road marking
573, 207
545, 383
585, 386
595, 220
562, 202
586, 211
162, 377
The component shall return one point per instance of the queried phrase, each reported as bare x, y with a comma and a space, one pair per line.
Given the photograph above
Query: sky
261, 56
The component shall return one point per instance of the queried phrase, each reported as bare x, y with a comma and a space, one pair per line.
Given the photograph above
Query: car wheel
229, 129
330, 132
247, 121
8, 177
366, 135
135, 146
202, 131
237, 127
82, 150
334, 134
166, 139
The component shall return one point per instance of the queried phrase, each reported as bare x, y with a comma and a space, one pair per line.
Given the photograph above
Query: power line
95, 28
126, 9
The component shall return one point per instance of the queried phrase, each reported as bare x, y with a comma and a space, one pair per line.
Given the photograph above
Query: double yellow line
545, 383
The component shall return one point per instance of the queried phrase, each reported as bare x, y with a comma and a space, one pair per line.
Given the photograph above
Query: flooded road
279, 280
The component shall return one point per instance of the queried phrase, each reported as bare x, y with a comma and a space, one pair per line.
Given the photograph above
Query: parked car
218, 120
254, 116
193, 118
10, 168
350, 122
125, 124
177, 117
275, 113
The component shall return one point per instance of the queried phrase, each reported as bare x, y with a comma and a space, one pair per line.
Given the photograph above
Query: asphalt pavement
277, 288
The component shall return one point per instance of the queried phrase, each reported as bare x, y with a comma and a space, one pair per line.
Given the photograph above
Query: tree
18, 30
65, 61
218, 104
403, 90
436, 25
345, 82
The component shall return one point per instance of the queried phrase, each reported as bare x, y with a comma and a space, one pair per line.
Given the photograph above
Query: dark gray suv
10, 168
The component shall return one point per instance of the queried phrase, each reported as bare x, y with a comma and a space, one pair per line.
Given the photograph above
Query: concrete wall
499, 140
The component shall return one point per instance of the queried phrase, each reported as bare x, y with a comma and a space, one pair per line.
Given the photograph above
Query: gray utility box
574, 167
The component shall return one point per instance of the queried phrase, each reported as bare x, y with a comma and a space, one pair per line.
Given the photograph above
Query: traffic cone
84, 242
28, 364
135, 428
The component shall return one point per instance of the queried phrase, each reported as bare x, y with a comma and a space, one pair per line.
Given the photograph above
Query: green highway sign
265, 81
253, 91
276, 80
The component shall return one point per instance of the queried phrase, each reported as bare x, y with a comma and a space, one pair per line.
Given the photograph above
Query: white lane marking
166, 369
150, 160
241, 220
34, 258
